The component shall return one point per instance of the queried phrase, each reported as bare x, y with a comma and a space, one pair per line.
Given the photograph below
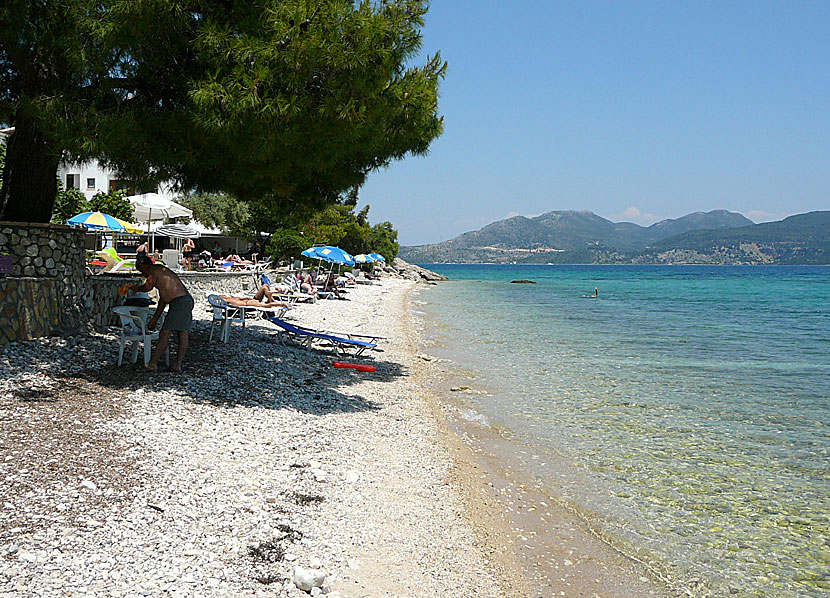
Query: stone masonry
48, 292
40, 295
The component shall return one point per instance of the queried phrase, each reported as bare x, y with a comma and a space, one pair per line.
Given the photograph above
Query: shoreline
258, 460
552, 545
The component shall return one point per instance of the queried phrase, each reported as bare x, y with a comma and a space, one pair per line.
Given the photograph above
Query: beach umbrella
101, 221
333, 255
377, 257
178, 231
362, 258
152, 206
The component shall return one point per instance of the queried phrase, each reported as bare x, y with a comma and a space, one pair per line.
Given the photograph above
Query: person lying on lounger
266, 292
251, 302
238, 260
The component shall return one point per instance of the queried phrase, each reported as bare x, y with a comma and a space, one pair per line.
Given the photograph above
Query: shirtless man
180, 315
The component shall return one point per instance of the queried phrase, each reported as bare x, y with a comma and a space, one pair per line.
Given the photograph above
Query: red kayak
355, 366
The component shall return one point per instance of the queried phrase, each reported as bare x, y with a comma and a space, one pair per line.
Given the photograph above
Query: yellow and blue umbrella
362, 258
377, 257
101, 221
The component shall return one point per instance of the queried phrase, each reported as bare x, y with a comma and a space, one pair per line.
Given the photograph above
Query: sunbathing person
307, 284
252, 302
274, 287
330, 285
264, 291
238, 260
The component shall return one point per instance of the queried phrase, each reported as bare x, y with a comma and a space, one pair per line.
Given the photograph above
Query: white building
91, 178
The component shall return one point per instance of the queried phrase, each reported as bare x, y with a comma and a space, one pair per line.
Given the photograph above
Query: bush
68, 203
285, 243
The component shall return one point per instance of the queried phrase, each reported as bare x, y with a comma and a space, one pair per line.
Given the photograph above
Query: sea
683, 411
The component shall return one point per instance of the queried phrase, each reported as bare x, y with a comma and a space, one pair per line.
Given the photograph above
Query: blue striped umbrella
377, 257
362, 258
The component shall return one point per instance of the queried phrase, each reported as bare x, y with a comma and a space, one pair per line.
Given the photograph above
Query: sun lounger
296, 293
225, 314
305, 337
115, 263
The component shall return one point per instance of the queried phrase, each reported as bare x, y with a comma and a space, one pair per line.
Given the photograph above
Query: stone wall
48, 292
48, 250
29, 308
41, 295
101, 295
226, 283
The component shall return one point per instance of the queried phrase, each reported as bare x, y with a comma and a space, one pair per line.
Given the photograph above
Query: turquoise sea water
685, 412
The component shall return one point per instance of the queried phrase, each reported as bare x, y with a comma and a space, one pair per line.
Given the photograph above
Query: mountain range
569, 237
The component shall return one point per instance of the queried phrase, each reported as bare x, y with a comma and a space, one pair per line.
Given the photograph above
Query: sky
637, 111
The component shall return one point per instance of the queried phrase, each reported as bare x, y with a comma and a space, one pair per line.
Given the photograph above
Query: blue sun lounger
306, 336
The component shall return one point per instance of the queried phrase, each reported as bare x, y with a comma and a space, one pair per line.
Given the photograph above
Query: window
73, 181
118, 184
90, 183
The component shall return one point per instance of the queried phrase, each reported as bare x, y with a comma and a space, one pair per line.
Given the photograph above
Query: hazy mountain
799, 239
563, 236
714, 220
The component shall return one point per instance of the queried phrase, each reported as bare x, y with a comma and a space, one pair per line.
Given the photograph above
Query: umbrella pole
149, 234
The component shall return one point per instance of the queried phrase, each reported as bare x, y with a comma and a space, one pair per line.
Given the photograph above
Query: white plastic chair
224, 315
134, 330
172, 259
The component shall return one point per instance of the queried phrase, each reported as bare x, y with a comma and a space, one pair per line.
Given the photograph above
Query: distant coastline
572, 238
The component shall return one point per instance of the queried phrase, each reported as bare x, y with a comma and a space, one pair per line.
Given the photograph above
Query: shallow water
685, 411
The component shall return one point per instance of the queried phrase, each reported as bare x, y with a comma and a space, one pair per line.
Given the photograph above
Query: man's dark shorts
179, 314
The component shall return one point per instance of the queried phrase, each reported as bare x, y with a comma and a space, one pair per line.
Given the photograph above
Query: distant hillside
715, 220
564, 237
799, 239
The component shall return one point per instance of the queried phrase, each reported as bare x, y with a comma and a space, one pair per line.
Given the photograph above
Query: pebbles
258, 463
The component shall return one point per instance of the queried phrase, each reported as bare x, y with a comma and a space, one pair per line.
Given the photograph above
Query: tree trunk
29, 186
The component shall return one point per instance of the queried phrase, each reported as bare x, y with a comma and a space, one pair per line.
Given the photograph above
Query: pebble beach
257, 471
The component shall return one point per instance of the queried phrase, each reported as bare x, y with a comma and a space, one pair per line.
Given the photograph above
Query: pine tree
284, 103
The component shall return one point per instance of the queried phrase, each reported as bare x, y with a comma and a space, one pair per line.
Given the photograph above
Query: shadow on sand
258, 373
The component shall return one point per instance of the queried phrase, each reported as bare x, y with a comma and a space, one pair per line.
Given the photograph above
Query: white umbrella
152, 206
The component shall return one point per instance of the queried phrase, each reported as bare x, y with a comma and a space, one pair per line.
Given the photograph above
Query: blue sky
637, 111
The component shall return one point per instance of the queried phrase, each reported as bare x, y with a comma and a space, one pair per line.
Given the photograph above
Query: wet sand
530, 534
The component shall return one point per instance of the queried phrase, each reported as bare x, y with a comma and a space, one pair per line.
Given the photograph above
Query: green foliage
221, 211
113, 203
283, 102
68, 203
71, 202
286, 243
337, 225
384, 240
